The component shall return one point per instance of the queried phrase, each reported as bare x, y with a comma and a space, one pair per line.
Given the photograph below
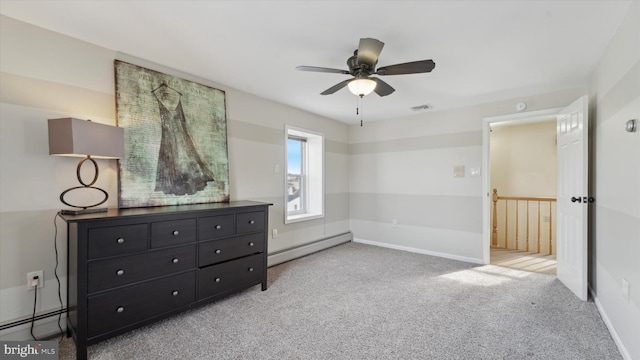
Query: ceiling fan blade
336, 87
322, 69
414, 67
368, 52
382, 88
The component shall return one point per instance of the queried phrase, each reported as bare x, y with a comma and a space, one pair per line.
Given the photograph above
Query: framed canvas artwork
175, 139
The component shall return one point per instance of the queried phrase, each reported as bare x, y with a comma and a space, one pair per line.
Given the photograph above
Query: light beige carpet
358, 301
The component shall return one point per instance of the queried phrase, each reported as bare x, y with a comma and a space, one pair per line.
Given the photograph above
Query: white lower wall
15, 300
453, 244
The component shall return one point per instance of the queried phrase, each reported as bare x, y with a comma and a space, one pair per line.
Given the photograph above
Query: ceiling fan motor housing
359, 70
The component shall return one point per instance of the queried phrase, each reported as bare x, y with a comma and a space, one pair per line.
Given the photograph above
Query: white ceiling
484, 50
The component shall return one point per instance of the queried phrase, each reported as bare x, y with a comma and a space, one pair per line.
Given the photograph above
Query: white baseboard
614, 334
42, 329
303, 250
420, 251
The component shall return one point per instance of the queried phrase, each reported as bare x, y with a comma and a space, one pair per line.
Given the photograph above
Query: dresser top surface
163, 210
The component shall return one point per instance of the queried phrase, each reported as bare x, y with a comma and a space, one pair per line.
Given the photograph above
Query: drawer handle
251, 244
218, 251
120, 240
175, 293
176, 232
120, 272
251, 269
120, 309
252, 222
218, 227
217, 279
175, 260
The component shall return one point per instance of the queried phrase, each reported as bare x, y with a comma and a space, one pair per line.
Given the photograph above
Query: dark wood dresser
131, 267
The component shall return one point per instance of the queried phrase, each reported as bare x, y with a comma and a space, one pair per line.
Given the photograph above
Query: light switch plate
625, 289
458, 171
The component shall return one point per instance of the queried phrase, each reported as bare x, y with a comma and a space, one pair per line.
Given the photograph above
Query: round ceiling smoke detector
521, 106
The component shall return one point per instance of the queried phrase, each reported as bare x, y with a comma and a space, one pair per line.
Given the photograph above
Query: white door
573, 199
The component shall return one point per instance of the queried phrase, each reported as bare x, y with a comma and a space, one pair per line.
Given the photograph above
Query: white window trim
315, 175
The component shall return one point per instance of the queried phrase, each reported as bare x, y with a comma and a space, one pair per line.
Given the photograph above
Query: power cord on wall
55, 272
35, 301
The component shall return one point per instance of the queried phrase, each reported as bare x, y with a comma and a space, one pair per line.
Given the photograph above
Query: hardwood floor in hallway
522, 260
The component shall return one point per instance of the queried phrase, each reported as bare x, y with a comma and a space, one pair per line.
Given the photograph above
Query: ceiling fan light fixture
361, 87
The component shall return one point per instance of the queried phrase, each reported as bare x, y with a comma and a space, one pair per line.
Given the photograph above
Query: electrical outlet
35, 277
625, 289
274, 233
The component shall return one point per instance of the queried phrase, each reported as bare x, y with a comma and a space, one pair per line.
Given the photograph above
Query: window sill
302, 217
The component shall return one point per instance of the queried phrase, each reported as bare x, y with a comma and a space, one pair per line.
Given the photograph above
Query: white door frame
517, 118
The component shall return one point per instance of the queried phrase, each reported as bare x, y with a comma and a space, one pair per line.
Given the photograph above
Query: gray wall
402, 169
46, 75
615, 225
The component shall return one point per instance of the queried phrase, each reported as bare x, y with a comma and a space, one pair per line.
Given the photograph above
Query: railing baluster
550, 227
527, 247
506, 224
517, 221
494, 230
538, 246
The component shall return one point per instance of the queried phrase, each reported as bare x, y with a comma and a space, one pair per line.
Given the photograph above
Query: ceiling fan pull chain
361, 106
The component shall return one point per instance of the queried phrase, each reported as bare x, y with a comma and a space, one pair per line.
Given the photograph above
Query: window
304, 189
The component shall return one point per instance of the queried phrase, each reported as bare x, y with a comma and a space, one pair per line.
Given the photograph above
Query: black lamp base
83, 211
89, 209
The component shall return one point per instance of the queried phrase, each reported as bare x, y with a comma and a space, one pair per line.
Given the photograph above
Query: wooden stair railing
517, 199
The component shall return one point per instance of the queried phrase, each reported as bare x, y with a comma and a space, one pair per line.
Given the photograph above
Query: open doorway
523, 181
572, 192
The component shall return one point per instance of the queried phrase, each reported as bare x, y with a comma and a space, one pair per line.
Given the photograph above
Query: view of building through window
304, 184
295, 175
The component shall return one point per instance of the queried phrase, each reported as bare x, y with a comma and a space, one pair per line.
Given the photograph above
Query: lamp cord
33, 317
55, 272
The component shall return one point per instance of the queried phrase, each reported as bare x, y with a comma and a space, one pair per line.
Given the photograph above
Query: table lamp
89, 140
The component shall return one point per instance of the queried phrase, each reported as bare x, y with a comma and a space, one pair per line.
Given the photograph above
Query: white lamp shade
75, 137
361, 87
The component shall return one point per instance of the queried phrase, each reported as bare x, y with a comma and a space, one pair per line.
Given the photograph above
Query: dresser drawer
175, 232
127, 306
110, 273
116, 240
250, 222
213, 252
216, 279
216, 227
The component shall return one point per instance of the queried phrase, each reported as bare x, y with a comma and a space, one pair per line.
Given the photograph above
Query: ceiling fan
363, 64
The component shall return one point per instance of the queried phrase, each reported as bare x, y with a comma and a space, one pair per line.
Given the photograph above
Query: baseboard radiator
303, 250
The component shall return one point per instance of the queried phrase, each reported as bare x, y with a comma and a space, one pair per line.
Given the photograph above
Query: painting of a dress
175, 139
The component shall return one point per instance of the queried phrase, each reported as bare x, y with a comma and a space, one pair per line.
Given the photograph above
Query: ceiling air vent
421, 107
